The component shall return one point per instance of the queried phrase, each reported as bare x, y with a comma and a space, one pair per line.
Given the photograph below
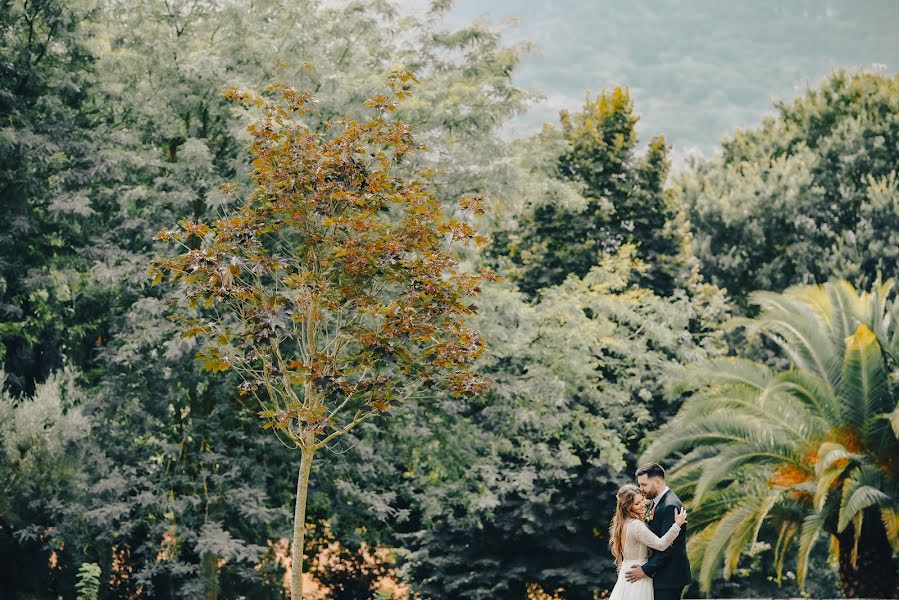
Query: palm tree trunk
874, 573
299, 526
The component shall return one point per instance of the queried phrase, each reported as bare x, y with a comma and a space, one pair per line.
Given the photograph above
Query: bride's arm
647, 537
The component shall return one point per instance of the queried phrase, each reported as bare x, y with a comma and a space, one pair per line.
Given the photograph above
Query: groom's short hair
651, 470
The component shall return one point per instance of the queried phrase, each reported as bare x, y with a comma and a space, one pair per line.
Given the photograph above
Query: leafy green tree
335, 292
179, 487
807, 196
41, 472
84, 186
130, 98
798, 451
502, 491
624, 202
46, 157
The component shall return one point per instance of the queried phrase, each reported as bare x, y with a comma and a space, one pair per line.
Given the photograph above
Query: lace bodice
639, 539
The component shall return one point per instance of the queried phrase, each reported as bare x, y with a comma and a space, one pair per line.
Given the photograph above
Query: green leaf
808, 535
860, 491
863, 385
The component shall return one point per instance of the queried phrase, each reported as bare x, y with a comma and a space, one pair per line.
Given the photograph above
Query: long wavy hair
625, 509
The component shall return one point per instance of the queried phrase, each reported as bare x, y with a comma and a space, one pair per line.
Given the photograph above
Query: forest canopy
605, 307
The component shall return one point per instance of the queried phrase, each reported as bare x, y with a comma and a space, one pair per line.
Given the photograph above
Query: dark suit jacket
671, 568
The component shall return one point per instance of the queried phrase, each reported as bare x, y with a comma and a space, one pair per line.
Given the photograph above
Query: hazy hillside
697, 69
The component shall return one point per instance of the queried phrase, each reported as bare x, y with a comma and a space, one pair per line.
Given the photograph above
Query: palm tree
800, 451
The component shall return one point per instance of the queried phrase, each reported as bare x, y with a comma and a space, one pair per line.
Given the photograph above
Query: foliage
183, 490
88, 586
118, 125
502, 492
41, 471
797, 451
808, 196
333, 289
46, 158
623, 203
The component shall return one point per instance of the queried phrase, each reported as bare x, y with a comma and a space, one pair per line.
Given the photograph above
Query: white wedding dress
638, 539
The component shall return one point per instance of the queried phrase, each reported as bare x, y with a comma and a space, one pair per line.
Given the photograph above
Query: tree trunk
299, 526
209, 572
874, 574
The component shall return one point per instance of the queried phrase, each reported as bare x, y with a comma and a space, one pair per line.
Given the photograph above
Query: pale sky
697, 69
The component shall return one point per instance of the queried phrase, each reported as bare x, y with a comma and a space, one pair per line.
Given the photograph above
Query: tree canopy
807, 196
128, 469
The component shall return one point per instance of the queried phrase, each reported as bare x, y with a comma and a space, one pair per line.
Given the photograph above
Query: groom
670, 570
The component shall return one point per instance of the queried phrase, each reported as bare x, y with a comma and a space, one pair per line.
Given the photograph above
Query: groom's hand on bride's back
635, 573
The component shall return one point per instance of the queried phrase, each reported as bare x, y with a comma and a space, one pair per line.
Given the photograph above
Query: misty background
697, 69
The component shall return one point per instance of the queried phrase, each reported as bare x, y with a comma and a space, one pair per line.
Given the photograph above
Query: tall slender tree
333, 290
120, 126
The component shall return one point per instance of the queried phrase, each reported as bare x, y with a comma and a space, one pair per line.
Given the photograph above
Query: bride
631, 539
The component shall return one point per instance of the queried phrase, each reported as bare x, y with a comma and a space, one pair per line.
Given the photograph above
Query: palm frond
848, 309
737, 530
808, 535
861, 490
713, 553
878, 312
748, 532
799, 332
725, 370
833, 461
716, 428
857, 523
889, 333
817, 298
831, 452
765, 405
734, 397
890, 518
811, 390
785, 536
722, 467
863, 385
697, 546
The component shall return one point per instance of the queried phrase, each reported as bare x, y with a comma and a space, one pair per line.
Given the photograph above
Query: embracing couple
649, 517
